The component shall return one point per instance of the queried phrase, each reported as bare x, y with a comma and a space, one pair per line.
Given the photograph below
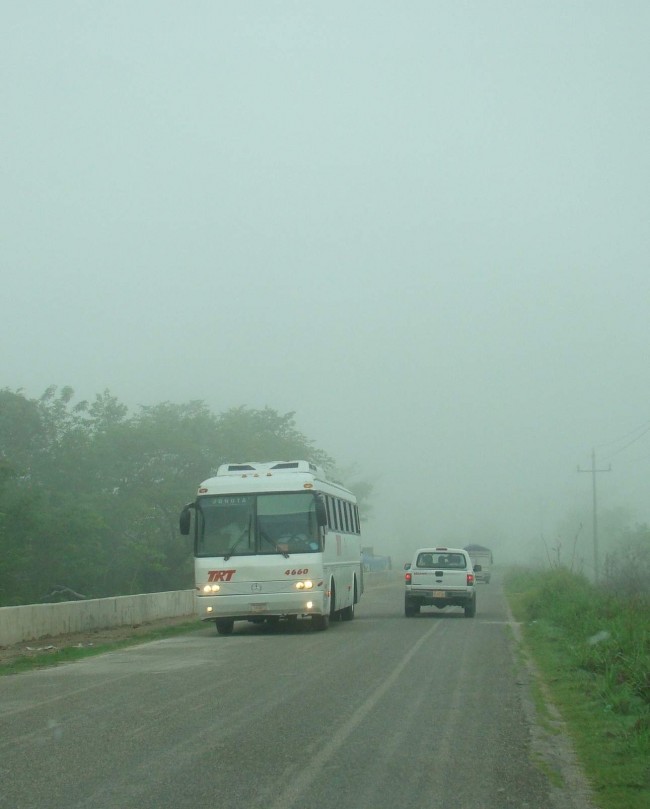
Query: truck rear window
442, 561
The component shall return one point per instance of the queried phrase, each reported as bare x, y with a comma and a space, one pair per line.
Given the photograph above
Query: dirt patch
97, 637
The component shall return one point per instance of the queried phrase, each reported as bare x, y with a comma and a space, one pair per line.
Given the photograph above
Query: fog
422, 226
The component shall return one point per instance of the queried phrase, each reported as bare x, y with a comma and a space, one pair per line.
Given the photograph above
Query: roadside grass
592, 650
69, 654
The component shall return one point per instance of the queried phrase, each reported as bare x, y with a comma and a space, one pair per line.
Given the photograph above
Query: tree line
90, 493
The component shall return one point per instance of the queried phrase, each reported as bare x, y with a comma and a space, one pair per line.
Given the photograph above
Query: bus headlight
304, 585
211, 588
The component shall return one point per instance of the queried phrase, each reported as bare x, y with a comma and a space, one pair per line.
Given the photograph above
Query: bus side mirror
321, 512
184, 521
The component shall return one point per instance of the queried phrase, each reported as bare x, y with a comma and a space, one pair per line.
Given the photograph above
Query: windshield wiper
265, 536
245, 532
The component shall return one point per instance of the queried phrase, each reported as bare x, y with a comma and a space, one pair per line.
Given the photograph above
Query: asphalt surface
383, 711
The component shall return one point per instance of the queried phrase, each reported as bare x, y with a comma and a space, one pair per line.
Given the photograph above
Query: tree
362, 489
22, 431
626, 571
90, 494
265, 435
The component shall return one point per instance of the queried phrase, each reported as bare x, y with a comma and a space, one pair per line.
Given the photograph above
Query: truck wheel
224, 626
470, 609
410, 609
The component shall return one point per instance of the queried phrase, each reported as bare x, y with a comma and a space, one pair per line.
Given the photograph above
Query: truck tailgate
438, 579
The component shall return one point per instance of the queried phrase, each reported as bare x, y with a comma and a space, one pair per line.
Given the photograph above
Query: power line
629, 444
645, 427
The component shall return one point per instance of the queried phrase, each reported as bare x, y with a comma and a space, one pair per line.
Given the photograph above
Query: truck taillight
407, 578
470, 579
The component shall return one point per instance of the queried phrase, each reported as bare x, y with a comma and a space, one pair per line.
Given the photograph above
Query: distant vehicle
372, 562
483, 557
274, 541
440, 577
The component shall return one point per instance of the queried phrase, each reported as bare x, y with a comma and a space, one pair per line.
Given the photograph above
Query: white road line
301, 782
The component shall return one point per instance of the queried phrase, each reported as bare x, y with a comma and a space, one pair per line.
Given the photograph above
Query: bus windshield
246, 525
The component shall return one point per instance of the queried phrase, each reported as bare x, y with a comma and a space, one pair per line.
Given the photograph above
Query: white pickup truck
440, 577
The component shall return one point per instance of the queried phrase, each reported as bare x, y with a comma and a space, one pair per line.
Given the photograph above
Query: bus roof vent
299, 466
268, 467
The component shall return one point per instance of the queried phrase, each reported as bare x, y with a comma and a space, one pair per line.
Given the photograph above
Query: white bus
274, 541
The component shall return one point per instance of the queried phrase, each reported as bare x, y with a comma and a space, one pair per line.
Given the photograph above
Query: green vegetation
591, 644
90, 494
69, 654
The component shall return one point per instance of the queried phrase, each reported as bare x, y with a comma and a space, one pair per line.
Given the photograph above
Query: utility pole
593, 471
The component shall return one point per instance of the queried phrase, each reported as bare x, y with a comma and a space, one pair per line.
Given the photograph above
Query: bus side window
330, 512
339, 515
356, 519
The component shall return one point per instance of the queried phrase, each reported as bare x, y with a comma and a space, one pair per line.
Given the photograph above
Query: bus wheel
320, 622
224, 626
334, 614
347, 614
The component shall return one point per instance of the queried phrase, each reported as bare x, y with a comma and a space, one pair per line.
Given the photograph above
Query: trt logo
220, 575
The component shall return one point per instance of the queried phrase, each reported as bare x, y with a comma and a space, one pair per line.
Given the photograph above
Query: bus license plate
438, 594
258, 607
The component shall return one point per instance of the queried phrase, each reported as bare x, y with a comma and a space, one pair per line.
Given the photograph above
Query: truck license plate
438, 594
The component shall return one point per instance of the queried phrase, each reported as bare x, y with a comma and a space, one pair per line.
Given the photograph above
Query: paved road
383, 711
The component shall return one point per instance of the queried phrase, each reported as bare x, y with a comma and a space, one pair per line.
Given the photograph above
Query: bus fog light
208, 609
309, 605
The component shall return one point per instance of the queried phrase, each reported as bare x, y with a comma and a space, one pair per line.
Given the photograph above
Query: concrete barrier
33, 621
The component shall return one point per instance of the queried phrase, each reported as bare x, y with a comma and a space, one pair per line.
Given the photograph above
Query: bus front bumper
264, 605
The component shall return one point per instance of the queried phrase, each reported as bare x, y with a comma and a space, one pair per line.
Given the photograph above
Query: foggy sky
423, 226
